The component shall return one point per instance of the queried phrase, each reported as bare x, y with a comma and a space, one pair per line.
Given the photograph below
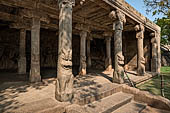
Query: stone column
108, 61
154, 60
158, 38
64, 81
140, 57
35, 51
83, 36
88, 53
119, 20
22, 54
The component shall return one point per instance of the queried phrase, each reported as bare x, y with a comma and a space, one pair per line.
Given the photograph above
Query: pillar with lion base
118, 21
64, 81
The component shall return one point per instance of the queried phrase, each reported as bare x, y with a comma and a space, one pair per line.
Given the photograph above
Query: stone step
132, 107
149, 109
47, 105
89, 94
109, 104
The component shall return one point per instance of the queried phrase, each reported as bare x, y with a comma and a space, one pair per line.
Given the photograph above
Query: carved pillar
84, 31
108, 61
119, 20
64, 81
22, 54
35, 51
154, 60
88, 53
141, 60
83, 36
158, 38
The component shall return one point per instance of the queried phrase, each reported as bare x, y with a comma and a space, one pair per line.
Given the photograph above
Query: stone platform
92, 92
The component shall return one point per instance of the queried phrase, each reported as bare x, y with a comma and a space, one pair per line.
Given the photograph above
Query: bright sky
140, 7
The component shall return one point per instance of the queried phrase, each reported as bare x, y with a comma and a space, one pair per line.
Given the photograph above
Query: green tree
164, 23
158, 6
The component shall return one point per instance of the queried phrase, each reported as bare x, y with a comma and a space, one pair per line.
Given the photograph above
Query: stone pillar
64, 81
158, 39
119, 20
22, 54
88, 53
35, 51
83, 36
108, 61
140, 57
154, 60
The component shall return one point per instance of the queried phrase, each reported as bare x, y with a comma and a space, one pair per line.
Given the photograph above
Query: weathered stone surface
149, 109
74, 108
119, 58
141, 60
64, 82
35, 51
145, 97
22, 52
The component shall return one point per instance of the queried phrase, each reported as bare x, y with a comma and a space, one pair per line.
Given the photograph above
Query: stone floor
18, 93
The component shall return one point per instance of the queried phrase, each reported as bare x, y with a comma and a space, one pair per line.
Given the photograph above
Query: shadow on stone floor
12, 92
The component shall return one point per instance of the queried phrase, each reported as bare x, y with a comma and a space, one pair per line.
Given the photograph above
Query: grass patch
165, 70
154, 85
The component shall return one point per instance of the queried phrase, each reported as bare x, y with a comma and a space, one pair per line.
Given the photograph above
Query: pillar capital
118, 19
140, 31
83, 27
89, 37
152, 34
107, 34
66, 2
117, 15
140, 27
83, 34
153, 37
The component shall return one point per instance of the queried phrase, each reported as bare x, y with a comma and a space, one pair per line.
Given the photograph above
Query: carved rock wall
98, 53
9, 40
130, 50
9, 49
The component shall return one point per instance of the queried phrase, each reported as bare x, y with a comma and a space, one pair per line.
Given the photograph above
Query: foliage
158, 6
164, 23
